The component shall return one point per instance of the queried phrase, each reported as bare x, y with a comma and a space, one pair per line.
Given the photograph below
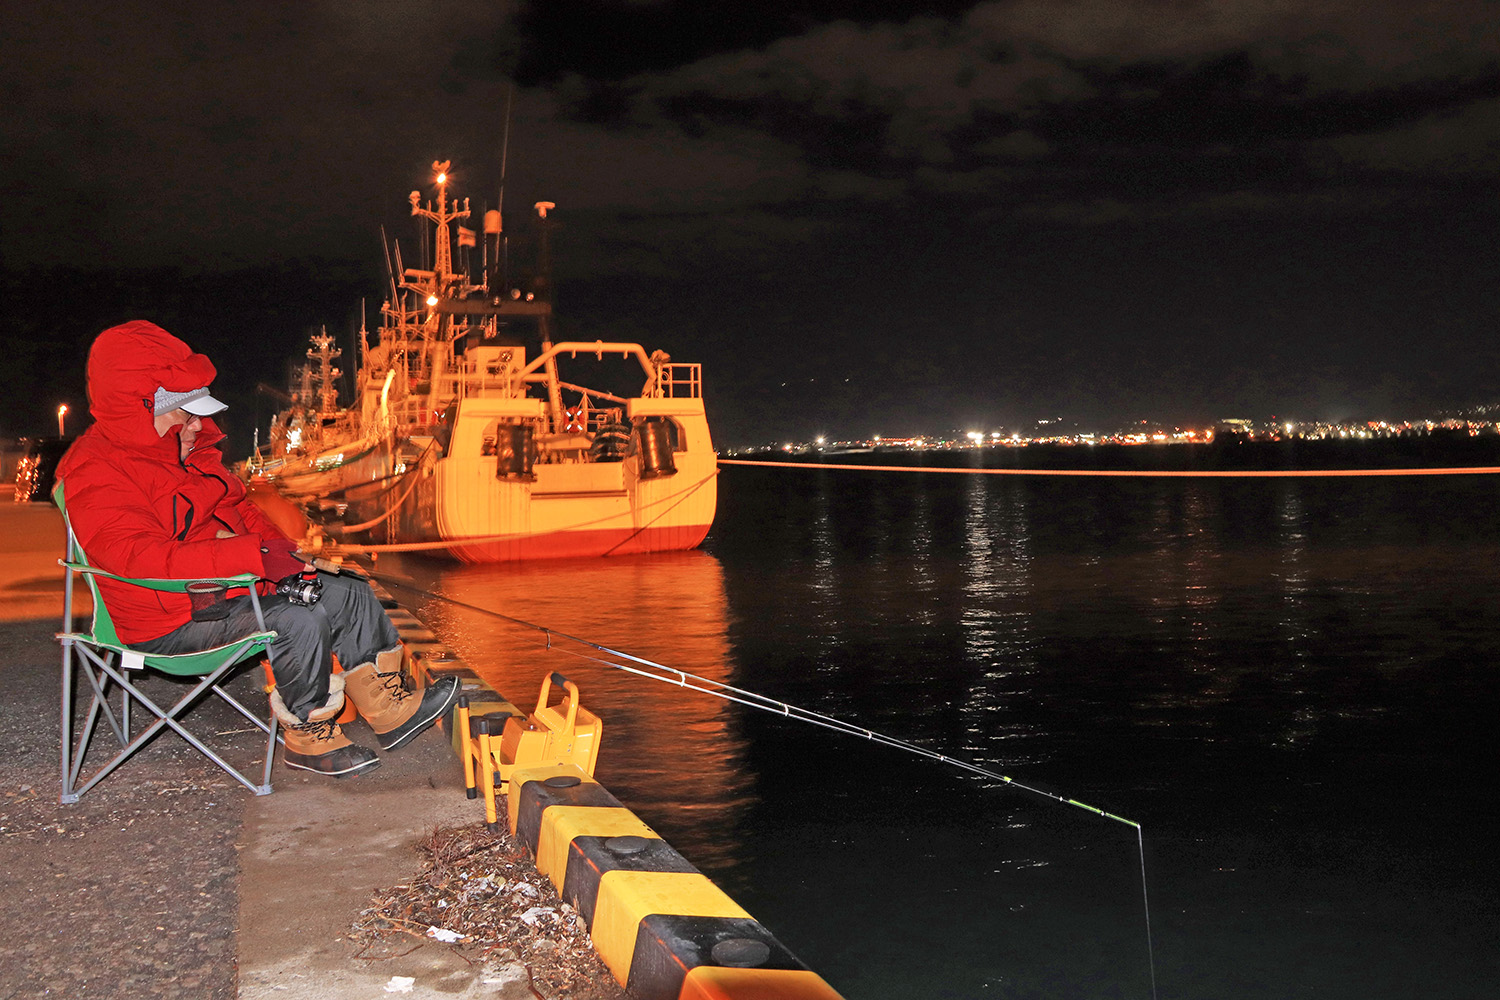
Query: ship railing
681, 380
662, 378
472, 378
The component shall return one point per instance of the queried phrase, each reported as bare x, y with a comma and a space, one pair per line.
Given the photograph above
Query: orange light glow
1484, 470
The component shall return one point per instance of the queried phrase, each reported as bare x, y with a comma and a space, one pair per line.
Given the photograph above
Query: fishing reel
302, 589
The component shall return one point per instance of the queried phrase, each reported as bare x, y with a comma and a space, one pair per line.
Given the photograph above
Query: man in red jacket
149, 497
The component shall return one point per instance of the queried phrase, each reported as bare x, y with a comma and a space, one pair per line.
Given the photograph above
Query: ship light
442, 178
432, 300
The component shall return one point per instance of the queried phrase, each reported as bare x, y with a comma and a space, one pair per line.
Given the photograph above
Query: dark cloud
962, 208
1154, 93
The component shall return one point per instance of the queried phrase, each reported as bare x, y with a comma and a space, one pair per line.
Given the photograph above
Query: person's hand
279, 556
224, 533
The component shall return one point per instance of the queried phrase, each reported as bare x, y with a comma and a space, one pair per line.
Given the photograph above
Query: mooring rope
652, 670
412, 474
1129, 473
684, 497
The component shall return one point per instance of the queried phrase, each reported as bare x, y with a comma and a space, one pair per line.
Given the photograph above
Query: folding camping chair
106, 663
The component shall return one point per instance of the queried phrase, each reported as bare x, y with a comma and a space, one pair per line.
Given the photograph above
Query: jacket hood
127, 364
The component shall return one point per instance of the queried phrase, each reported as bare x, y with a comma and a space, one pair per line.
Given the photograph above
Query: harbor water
1290, 684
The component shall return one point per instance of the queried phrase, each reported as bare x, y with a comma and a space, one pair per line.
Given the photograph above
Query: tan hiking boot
319, 744
394, 705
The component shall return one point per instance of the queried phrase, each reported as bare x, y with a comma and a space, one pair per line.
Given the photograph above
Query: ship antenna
505, 150
389, 271
503, 264
364, 341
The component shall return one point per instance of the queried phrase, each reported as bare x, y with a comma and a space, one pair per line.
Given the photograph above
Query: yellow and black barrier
662, 927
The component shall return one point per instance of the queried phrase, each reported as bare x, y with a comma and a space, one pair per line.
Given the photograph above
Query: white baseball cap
196, 401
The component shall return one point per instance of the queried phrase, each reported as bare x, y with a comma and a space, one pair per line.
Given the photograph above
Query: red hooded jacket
138, 509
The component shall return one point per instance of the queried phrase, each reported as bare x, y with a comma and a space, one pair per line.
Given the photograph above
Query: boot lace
395, 683
327, 729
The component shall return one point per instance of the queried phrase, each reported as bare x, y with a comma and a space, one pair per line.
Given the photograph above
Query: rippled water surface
1291, 684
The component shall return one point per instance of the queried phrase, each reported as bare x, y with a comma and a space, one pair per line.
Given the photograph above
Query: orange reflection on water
673, 756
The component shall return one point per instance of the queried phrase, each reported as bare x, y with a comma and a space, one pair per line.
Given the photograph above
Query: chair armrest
171, 586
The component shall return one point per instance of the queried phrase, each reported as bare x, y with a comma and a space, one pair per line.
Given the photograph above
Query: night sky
862, 218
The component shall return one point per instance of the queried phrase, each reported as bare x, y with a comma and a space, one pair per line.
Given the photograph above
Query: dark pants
347, 621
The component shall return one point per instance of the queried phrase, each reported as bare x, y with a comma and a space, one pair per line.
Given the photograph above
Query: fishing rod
652, 670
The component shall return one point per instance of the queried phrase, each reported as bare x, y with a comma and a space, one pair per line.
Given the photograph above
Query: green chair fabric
98, 656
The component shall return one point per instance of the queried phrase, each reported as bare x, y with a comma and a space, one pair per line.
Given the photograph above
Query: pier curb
662, 927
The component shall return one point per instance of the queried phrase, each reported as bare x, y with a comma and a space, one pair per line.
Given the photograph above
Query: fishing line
652, 670
1130, 473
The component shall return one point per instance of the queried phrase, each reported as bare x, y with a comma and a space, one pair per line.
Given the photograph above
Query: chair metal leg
68, 796
264, 788
265, 778
99, 675
165, 718
97, 672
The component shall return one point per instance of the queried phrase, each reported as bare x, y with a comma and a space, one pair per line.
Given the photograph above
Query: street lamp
62, 411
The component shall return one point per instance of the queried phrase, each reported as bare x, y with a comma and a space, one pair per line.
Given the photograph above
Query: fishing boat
466, 438
315, 448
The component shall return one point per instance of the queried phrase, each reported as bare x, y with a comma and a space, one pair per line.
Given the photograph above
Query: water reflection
1201, 592
675, 757
1291, 521
825, 596
981, 568
920, 560
996, 615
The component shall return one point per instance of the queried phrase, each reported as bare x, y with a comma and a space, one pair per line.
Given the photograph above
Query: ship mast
324, 353
554, 391
442, 266
441, 275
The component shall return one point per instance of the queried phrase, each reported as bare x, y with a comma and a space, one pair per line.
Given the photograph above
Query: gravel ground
132, 891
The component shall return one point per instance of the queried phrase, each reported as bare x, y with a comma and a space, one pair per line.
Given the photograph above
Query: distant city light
1052, 432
